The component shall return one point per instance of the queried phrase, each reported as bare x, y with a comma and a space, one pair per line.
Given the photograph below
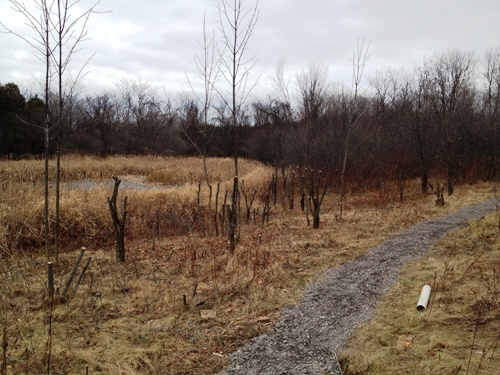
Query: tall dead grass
165, 191
155, 169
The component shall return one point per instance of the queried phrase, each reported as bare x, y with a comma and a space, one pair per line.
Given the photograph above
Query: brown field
181, 302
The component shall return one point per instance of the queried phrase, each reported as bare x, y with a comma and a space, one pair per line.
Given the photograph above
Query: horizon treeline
442, 117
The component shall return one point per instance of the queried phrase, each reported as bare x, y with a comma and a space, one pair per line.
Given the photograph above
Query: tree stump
118, 224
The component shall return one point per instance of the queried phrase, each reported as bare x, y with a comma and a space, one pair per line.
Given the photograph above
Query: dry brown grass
85, 219
131, 318
155, 169
459, 333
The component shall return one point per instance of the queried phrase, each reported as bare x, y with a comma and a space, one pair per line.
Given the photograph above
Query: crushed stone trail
311, 334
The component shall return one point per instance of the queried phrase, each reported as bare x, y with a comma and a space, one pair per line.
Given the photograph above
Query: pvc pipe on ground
424, 298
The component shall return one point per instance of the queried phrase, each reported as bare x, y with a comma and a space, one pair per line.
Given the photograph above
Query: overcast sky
156, 41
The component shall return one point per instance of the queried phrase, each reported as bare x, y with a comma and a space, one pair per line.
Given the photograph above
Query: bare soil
312, 334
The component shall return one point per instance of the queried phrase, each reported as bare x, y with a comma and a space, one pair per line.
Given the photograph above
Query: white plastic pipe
424, 298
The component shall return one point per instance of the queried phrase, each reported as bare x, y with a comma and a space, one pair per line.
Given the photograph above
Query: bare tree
54, 32
41, 27
69, 34
280, 84
390, 139
208, 68
314, 90
314, 186
416, 112
491, 110
274, 117
100, 115
236, 24
143, 113
385, 86
279, 115
356, 109
453, 101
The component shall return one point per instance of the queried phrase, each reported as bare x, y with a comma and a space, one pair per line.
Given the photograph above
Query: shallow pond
109, 183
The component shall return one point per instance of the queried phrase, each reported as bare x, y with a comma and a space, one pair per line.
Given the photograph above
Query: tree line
443, 116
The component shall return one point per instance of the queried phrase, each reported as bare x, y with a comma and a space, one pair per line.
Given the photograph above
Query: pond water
109, 184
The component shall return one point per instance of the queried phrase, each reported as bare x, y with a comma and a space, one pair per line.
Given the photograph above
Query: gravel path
310, 334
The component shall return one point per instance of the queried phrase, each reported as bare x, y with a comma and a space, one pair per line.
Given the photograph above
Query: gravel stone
311, 334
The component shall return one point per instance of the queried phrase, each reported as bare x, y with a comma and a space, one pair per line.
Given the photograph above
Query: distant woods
443, 116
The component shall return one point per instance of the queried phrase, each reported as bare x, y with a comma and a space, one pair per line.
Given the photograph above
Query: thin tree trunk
46, 192
58, 146
225, 208
216, 213
200, 219
58, 199
47, 126
210, 231
233, 216
342, 173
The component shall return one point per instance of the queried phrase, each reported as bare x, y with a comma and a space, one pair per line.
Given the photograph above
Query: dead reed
164, 191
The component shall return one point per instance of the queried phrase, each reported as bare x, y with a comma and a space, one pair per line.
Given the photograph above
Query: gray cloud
156, 40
